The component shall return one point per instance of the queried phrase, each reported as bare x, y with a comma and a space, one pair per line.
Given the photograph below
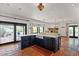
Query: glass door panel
73, 31
20, 30
70, 33
76, 31
6, 33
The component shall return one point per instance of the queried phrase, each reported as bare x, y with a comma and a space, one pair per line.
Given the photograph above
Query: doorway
73, 37
73, 31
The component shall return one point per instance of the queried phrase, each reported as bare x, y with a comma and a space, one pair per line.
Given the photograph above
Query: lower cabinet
33, 40
25, 41
39, 42
49, 43
46, 42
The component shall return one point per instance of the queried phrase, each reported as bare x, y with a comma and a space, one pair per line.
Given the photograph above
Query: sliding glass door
73, 31
20, 31
6, 33
11, 32
76, 31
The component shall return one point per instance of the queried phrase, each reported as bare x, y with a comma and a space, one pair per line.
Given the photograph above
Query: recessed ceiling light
72, 4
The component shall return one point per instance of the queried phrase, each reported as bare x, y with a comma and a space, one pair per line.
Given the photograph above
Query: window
34, 29
37, 29
41, 29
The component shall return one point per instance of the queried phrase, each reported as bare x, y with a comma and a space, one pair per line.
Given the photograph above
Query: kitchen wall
63, 26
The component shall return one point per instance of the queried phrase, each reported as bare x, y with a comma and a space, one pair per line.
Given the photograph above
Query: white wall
62, 29
62, 26
29, 23
12, 20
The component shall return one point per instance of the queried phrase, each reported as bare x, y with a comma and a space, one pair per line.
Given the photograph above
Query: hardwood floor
14, 50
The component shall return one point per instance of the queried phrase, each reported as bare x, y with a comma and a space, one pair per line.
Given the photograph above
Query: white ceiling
51, 12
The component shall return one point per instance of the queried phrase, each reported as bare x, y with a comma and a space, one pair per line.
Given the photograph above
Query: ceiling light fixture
40, 6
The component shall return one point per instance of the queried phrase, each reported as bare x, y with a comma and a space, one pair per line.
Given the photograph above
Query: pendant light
40, 6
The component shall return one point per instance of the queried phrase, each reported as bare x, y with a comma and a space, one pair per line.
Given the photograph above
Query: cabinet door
38, 41
50, 43
55, 44
33, 39
25, 42
41, 42
47, 42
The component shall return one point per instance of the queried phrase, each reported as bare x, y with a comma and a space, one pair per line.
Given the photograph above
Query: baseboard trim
9, 43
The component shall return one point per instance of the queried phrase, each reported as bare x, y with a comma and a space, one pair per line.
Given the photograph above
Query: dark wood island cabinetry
50, 43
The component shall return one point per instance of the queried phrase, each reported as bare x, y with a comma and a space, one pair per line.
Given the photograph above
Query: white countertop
41, 35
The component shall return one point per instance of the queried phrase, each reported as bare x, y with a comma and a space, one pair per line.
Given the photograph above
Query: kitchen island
46, 41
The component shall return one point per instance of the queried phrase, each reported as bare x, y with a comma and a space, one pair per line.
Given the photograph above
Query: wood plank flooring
14, 50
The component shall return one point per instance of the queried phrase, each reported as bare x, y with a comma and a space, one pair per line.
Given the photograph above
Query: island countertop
42, 35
